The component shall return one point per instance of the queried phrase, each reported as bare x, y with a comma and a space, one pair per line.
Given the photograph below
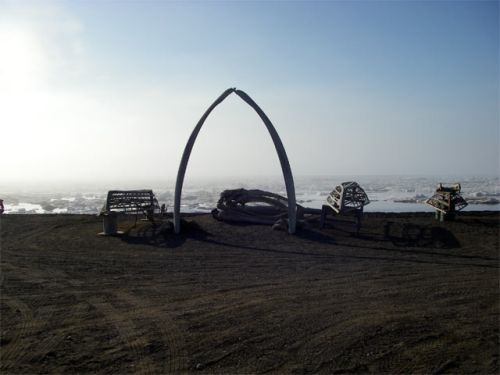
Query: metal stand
110, 225
326, 209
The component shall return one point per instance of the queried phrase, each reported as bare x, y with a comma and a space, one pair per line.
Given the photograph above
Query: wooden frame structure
285, 165
348, 197
126, 202
447, 201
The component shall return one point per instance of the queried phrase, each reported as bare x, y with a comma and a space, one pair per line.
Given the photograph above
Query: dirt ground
407, 295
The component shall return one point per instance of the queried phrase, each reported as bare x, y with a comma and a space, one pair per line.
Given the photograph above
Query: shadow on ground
412, 235
163, 235
397, 244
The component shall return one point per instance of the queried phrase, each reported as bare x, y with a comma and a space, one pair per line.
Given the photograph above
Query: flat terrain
408, 295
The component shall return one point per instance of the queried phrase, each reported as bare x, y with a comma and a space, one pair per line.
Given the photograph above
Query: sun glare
22, 61
23, 71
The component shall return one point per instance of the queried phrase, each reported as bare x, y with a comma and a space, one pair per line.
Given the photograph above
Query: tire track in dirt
16, 348
40, 317
231, 297
128, 332
31, 275
139, 309
122, 321
216, 305
2, 274
48, 344
168, 329
32, 320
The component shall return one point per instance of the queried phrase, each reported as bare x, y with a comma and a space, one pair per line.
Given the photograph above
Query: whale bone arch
285, 165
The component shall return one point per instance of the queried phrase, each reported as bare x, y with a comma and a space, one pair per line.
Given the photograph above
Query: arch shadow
285, 165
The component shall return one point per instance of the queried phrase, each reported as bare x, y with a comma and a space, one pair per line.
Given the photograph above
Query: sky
111, 90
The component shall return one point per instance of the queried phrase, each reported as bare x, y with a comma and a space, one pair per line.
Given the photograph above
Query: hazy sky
93, 90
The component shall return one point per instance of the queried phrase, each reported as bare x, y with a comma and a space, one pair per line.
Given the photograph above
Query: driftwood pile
252, 206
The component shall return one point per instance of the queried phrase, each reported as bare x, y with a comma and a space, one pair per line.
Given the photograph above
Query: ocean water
386, 193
